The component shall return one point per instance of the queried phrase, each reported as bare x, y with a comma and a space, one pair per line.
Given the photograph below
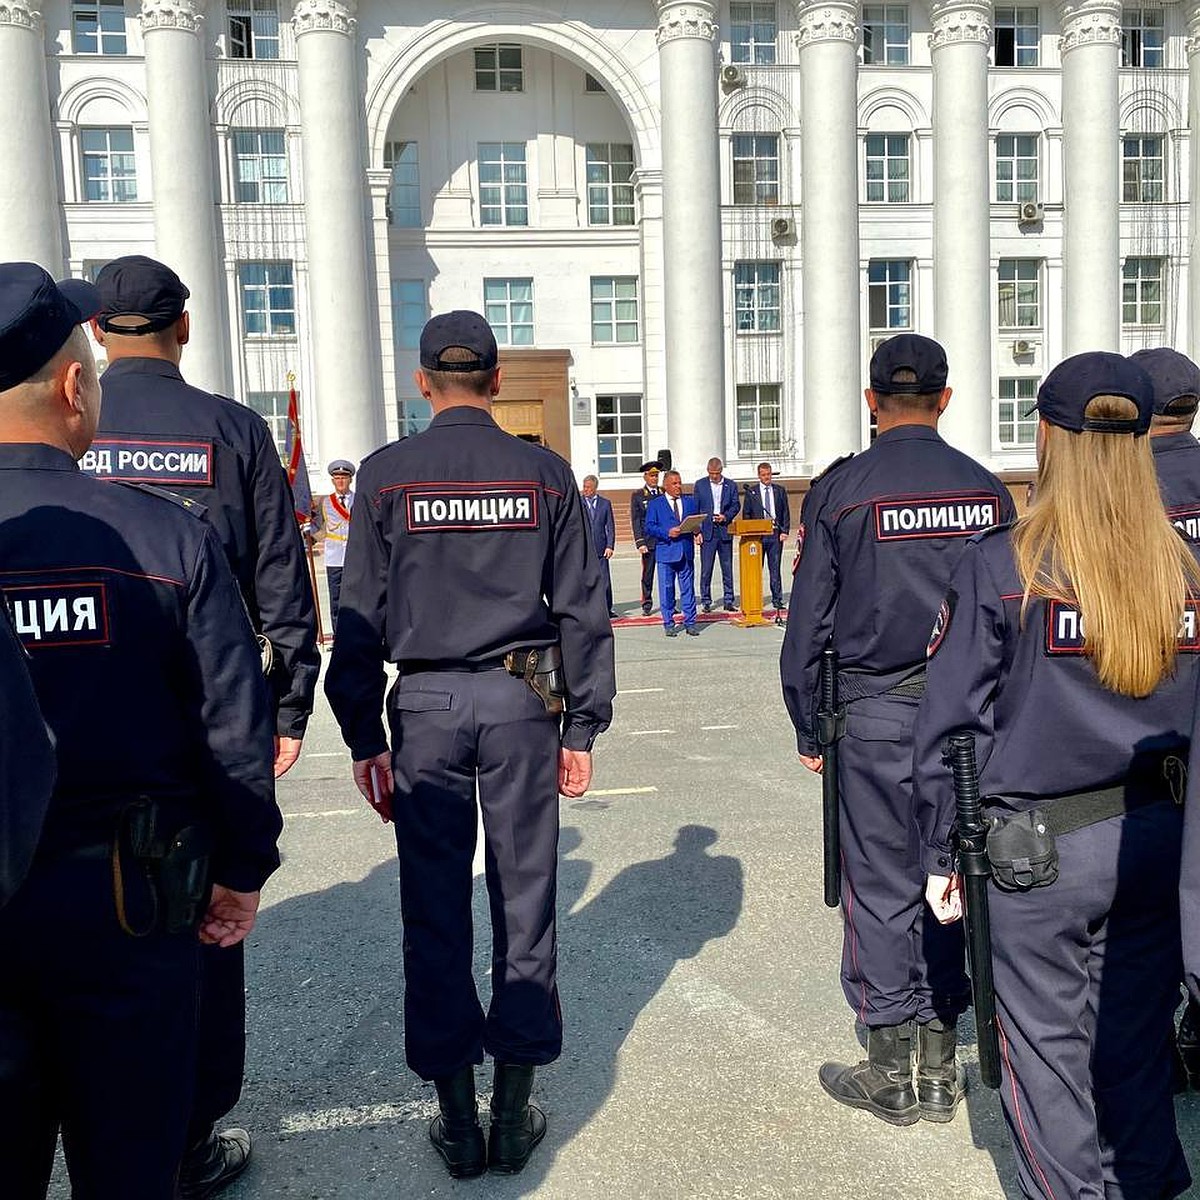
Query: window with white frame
1142, 291
759, 430
1020, 293
755, 168
503, 186
273, 408
1016, 37
1142, 169
1016, 167
1143, 36
499, 69
610, 183
260, 166
98, 27
620, 435
268, 299
889, 294
413, 414
508, 306
888, 168
756, 297
1017, 431
109, 165
614, 309
885, 34
409, 312
753, 29
404, 193
253, 29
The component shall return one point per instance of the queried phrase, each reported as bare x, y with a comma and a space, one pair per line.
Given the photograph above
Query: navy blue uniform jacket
638, 503
660, 520
730, 507
1177, 461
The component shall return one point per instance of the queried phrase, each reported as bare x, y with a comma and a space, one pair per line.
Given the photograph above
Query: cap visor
85, 296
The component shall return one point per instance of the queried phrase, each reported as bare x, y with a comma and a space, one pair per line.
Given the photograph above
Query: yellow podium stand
750, 536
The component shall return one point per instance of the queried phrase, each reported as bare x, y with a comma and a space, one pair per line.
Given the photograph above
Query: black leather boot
517, 1125
455, 1132
1189, 1042
939, 1081
212, 1163
883, 1083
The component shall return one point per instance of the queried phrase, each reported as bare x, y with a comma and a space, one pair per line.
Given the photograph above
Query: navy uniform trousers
1087, 980
454, 732
898, 963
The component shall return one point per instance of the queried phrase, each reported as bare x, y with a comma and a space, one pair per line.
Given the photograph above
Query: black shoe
882, 1084
455, 1132
779, 620
670, 631
213, 1163
939, 1077
1189, 1042
612, 612
706, 608
691, 631
646, 609
731, 608
517, 1126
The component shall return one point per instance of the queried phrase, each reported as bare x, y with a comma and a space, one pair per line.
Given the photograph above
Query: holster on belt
541, 668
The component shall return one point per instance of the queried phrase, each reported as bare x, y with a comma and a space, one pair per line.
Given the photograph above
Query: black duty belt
908, 682
415, 666
516, 662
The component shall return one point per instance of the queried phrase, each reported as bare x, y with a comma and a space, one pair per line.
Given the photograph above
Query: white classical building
688, 222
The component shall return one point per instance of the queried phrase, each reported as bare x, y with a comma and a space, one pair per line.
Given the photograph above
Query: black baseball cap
458, 330
37, 316
1174, 375
909, 352
1076, 381
137, 286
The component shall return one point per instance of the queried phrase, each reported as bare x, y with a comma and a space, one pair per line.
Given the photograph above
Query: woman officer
1060, 647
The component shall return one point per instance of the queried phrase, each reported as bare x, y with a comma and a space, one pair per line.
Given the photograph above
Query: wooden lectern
750, 536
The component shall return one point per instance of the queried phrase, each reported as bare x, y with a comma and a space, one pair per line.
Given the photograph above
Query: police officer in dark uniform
880, 533
470, 566
638, 503
149, 676
1060, 647
157, 429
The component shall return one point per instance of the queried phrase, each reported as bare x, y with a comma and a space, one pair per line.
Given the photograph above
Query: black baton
971, 830
831, 724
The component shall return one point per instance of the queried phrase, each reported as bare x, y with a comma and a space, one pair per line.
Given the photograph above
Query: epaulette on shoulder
829, 470
198, 510
379, 450
992, 532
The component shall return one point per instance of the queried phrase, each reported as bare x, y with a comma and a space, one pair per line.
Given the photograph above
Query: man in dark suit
717, 497
674, 553
768, 501
604, 532
638, 503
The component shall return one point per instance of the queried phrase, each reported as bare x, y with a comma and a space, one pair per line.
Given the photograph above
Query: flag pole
308, 537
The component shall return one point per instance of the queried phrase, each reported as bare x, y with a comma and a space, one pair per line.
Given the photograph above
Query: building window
253, 29
620, 437
1142, 38
499, 69
885, 34
756, 297
268, 299
408, 312
1142, 169
591, 83
758, 416
1020, 302
610, 183
503, 193
752, 32
508, 306
98, 27
109, 167
889, 294
1016, 37
755, 168
1016, 167
614, 309
1141, 291
887, 168
1017, 431
413, 414
260, 166
404, 194
273, 408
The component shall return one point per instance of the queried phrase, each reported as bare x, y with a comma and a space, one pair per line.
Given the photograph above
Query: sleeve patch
941, 624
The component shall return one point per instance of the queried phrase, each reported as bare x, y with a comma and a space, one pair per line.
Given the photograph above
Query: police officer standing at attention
148, 674
471, 567
156, 429
638, 503
880, 534
333, 518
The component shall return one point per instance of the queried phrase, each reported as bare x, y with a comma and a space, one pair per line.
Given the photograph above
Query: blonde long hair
1097, 536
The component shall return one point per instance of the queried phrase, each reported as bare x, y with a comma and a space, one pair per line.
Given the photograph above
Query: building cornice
826, 21
324, 16
693, 21
1089, 23
957, 21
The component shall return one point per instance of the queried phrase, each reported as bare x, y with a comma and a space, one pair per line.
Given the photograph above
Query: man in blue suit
674, 553
717, 497
604, 532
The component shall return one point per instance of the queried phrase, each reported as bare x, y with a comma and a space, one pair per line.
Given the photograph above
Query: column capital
172, 14
324, 16
960, 21
26, 14
1193, 29
1089, 23
826, 21
692, 20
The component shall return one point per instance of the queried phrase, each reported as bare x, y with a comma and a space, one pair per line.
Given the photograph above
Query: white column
1090, 47
695, 344
181, 162
1193, 54
959, 47
833, 375
30, 212
348, 381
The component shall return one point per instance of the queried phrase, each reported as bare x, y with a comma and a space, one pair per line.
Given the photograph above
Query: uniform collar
464, 414
143, 366
36, 456
909, 433
1166, 442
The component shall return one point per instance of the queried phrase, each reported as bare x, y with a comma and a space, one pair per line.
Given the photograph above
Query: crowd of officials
150, 555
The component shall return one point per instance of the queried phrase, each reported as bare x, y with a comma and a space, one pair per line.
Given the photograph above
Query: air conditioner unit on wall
1023, 347
1031, 212
782, 228
733, 76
